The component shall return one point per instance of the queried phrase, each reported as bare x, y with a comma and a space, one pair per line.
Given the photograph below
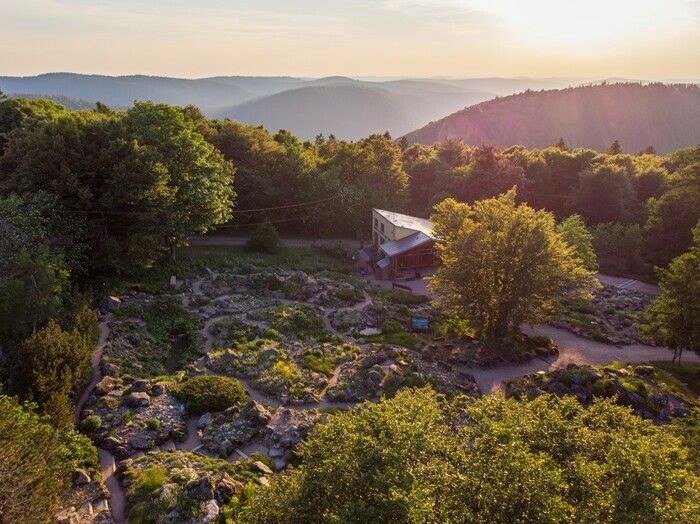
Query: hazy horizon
639, 40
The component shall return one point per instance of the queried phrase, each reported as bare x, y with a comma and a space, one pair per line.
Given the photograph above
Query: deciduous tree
502, 264
674, 319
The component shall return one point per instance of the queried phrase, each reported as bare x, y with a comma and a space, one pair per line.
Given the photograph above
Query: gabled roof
407, 221
384, 263
397, 247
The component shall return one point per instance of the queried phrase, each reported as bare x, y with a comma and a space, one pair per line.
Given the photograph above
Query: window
382, 227
376, 223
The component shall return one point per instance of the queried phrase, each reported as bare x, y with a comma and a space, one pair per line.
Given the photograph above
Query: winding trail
572, 350
117, 497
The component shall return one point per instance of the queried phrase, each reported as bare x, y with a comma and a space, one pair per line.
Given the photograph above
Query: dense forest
641, 207
663, 116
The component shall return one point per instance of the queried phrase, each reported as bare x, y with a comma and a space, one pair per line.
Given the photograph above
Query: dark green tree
265, 239
674, 319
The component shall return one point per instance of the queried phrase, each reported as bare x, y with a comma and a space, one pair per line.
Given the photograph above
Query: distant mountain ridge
666, 117
396, 106
352, 109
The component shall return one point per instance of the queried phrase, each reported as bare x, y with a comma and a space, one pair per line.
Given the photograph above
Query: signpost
420, 323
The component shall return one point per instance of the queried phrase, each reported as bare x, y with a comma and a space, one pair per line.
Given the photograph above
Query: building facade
402, 245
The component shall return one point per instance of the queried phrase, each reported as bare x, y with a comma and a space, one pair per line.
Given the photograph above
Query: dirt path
117, 499
572, 350
96, 373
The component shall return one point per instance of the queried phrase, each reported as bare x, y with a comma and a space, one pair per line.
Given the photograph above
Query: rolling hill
664, 116
121, 91
351, 109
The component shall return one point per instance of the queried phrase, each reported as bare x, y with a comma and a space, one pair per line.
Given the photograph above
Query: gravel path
117, 498
572, 350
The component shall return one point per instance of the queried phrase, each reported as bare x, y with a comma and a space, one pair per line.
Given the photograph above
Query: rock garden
247, 360
613, 316
645, 389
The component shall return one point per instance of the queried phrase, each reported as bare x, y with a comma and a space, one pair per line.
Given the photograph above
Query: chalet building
402, 245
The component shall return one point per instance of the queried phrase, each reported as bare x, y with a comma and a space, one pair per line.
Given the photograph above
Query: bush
300, 321
210, 393
348, 294
391, 326
91, 424
265, 239
36, 460
319, 361
153, 423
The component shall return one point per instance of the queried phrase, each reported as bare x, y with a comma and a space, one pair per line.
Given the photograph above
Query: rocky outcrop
631, 386
234, 427
387, 368
135, 416
285, 430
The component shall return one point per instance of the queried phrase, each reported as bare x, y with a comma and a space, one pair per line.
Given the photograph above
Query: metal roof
384, 263
406, 221
391, 249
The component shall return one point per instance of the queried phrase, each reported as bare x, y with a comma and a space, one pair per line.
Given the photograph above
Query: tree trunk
172, 253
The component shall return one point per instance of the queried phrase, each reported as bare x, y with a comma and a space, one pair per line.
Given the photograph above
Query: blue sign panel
420, 323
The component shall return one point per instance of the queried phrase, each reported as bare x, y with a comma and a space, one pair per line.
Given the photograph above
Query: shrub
36, 460
153, 423
91, 424
348, 294
300, 321
265, 239
210, 393
391, 326
319, 361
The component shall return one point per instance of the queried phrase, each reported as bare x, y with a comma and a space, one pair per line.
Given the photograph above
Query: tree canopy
502, 264
674, 319
548, 461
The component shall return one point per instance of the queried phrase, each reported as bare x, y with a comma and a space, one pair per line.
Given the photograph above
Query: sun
581, 26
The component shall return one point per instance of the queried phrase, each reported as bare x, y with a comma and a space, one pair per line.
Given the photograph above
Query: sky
637, 39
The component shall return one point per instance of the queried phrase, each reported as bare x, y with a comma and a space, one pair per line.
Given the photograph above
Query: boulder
110, 304
140, 386
159, 388
201, 488
105, 385
644, 371
204, 420
80, 477
109, 369
111, 443
226, 488
212, 512
140, 441
137, 399
262, 468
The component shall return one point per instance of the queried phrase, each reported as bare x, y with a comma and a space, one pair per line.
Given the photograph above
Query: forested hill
666, 117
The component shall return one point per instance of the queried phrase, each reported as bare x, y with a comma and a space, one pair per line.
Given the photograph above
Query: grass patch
394, 333
399, 297
306, 259
300, 321
688, 373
